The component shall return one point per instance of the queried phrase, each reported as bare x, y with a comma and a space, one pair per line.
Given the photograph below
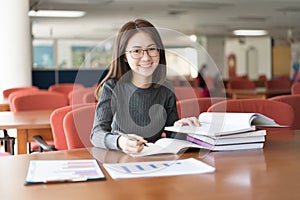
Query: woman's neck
144, 82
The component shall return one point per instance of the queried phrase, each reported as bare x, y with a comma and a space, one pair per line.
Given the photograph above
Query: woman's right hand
130, 146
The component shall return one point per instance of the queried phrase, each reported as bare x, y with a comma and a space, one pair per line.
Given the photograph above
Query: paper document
157, 168
52, 171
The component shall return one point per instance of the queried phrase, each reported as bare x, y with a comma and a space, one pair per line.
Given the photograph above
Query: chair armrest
42, 143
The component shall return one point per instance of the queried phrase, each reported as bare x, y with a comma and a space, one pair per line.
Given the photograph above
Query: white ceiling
202, 17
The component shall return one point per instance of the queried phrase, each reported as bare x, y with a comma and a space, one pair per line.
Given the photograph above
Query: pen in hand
128, 136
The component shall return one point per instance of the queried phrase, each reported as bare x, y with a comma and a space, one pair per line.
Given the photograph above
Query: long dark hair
119, 67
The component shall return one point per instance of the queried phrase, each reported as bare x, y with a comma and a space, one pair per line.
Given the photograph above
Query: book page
165, 146
157, 168
242, 119
210, 129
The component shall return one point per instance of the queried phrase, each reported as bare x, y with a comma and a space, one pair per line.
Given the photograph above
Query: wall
281, 60
215, 49
239, 47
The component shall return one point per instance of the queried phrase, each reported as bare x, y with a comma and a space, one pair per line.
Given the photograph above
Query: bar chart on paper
157, 168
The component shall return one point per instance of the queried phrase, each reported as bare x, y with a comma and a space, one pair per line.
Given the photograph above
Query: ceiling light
250, 32
56, 13
193, 38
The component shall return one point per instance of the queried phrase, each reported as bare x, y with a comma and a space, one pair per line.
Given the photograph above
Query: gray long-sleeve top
130, 109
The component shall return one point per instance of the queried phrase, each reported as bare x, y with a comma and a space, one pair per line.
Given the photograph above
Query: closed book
228, 147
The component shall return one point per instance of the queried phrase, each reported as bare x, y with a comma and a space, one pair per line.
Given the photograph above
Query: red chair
240, 84
37, 100
278, 84
295, 88
65, 88
294, 101
185, 92
282, 113
81, 95
56, 121
90, 97
193, 107
78, 124
7, 92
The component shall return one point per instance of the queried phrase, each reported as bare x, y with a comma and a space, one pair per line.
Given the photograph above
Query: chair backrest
282, 113
65, 88
278, 84
240, 84
78, 124
79, 96
38, 100
89, 97
56, 121
294, 101
193, 107
7, 92
185, 92
295, 89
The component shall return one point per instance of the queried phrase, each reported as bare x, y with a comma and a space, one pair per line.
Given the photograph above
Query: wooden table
4, 105
269, 173
28, 124
260, 92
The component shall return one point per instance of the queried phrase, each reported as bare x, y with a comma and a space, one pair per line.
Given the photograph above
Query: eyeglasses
138, 53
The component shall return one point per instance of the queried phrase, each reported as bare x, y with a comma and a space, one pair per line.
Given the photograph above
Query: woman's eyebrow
142, 47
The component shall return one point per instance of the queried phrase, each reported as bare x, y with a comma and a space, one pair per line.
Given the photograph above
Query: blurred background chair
78, 124
7, 92
295, 89
278, 84
65, 88
240, 84
185, 92
193, 107
82, 95
281, 112
58, 132
294, 101
6, 140
38, 100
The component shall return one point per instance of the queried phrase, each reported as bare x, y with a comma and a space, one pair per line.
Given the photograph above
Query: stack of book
227, 131
240, 141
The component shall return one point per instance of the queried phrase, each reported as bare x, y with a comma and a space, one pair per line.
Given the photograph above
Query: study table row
268, 173
27, 124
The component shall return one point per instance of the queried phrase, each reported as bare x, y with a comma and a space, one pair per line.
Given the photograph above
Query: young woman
134, 97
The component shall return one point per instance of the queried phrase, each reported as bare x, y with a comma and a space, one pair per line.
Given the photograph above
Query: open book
223, 123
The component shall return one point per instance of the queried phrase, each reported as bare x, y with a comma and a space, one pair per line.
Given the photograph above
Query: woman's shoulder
109, 83
168, 85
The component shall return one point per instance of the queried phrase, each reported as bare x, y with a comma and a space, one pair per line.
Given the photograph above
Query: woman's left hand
191, 121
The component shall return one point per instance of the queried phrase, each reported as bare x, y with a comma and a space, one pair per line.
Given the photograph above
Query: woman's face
142, 55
